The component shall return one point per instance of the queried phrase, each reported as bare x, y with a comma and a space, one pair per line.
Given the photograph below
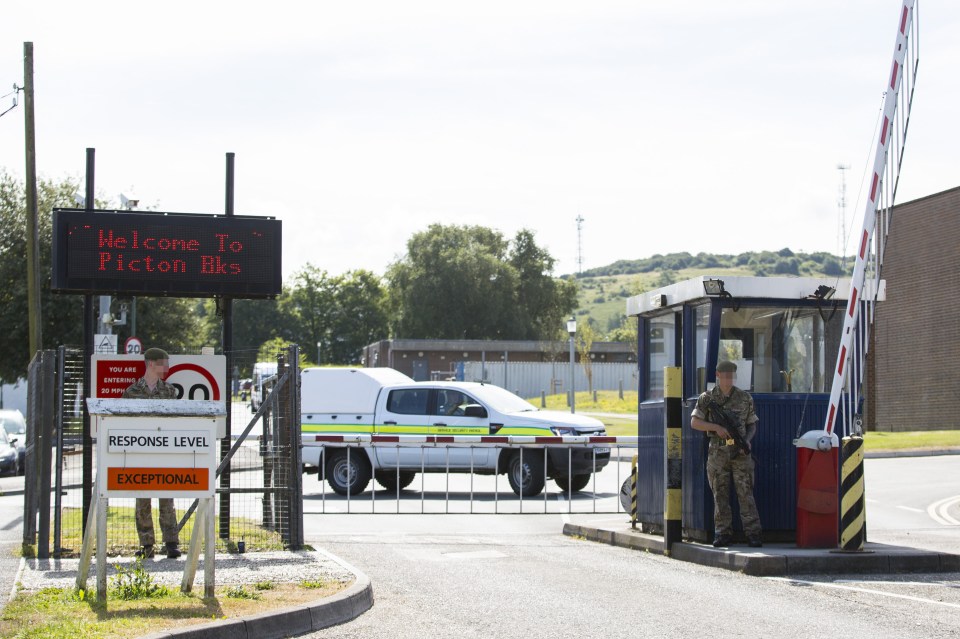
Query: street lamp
318, 353
572, 330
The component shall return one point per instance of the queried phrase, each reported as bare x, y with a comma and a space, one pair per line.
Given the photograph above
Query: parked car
8, 455
15, 430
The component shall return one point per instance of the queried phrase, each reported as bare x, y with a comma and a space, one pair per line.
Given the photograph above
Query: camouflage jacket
739, 404
140, 390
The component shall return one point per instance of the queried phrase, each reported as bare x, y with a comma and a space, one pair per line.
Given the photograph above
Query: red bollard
818, 490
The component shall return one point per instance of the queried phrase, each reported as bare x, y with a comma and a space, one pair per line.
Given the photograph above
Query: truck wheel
527, 478
388, 479
577, 483
351, 477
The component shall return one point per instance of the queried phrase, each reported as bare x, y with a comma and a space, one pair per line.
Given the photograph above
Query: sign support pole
103, 505
228, 352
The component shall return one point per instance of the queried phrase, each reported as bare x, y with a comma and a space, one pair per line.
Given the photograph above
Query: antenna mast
579, 244
842, 205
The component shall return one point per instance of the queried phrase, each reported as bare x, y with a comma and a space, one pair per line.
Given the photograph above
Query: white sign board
154, 456
140, 441
104, 343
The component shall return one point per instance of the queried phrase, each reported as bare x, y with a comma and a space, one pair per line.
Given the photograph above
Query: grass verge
54, 613
625, 423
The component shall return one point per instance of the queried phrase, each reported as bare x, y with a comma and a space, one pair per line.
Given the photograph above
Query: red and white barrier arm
869, 217
509, 441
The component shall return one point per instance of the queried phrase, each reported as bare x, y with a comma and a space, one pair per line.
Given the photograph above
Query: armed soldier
727, 415
153, 386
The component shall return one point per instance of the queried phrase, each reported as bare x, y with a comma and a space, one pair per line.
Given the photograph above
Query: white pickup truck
383, 401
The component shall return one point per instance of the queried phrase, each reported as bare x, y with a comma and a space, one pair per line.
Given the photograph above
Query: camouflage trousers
722, 465
168, 522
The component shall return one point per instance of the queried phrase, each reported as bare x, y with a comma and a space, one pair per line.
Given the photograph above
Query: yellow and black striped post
633, 492
673, 458
853, 518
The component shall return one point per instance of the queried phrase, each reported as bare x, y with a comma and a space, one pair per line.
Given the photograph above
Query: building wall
436, 359
916, 349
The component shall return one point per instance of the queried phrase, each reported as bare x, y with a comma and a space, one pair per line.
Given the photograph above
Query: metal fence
464, 491
530, 379
258, 479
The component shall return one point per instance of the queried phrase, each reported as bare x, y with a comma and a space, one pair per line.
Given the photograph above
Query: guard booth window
660, 351
781, 350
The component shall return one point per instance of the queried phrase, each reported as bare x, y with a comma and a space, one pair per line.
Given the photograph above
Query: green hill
603, 291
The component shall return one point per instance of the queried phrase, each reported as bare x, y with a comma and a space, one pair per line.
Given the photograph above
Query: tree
254, 323
626, 332
312, 303
61, 315
584, 343
467, 282
542, 300
342, 313
171, 323
359, 317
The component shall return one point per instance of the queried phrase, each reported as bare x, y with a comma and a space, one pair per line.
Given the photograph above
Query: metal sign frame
176, 254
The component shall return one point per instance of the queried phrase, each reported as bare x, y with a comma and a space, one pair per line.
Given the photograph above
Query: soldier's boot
145, 552
173, 550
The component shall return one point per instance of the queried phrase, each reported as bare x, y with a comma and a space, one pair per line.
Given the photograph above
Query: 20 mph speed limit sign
133, 346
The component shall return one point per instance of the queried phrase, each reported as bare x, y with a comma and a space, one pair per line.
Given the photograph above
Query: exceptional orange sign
166, 479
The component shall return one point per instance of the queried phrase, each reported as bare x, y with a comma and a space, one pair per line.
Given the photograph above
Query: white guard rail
483, 493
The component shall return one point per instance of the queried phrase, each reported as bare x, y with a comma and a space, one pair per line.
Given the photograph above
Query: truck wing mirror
474, 410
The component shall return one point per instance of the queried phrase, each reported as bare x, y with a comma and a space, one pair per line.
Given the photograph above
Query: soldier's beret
726, 366
153, 354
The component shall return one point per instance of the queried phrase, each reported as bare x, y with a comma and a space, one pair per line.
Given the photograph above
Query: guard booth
783, 333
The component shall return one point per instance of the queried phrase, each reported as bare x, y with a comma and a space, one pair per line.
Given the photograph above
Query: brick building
916, 350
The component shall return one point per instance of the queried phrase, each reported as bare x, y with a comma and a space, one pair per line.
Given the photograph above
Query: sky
705, 125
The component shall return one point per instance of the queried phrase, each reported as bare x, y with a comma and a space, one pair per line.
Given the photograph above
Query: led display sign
180, 254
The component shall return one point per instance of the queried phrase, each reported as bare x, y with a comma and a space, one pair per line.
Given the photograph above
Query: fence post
44, 451
295, 478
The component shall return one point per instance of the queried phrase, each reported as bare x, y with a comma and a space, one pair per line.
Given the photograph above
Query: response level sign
181, 254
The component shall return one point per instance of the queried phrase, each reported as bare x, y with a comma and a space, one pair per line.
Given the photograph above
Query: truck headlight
564, 430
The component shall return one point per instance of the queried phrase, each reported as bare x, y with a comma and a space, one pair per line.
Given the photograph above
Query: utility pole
33, 236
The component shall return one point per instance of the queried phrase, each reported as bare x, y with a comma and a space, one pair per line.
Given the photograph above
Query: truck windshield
502, 400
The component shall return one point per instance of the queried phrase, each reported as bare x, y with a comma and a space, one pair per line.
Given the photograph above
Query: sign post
154, 448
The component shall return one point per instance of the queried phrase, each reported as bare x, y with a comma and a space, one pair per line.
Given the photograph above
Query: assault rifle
719, 416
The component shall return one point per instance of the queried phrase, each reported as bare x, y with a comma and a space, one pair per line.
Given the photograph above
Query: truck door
451, 418
405, 412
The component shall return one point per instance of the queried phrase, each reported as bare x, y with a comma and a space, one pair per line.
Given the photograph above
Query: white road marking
911, 509
564, 516
476, 554
940, 584
938, 511
869, 591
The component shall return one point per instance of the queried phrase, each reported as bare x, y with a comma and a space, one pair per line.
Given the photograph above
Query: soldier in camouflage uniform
153, 386
725, 459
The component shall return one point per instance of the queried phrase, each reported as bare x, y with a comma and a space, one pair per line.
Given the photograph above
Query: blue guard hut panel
784, 334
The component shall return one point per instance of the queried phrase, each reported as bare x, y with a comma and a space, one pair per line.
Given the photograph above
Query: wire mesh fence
449, 489
258, 504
